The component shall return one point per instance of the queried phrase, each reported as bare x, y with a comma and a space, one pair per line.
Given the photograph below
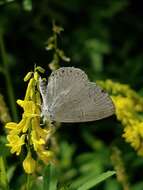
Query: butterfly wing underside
72, 98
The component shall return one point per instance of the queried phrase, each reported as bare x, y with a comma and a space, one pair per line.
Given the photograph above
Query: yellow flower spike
28, 76
29, 126
129, 106
29, 164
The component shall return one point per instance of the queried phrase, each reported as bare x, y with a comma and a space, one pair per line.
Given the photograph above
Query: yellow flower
29, 164
37, 142
30, 108
39, 136
16, 142
11, 125
45, 155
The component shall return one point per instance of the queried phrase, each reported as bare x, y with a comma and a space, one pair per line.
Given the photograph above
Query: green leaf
10, 172
50, 178
4, 151
112, 183
27, 4
91, 182
97, 46
137, 186
67, 152
3, 176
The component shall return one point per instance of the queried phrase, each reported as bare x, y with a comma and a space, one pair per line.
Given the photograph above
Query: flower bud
29, 164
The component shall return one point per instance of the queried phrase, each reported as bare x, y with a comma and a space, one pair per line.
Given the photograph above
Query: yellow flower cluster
52, 45
129, 111
116, 158
28, 131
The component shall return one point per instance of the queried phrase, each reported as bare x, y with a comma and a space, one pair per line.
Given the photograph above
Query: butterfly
69, 97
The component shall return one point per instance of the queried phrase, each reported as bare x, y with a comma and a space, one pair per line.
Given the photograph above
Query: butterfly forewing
64, 82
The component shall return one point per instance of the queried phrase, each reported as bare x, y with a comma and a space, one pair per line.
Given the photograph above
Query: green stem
10, 91
28, 182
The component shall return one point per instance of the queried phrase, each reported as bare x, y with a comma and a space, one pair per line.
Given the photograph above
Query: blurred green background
104, 38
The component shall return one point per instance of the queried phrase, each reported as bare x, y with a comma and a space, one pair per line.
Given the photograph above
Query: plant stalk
8, 80
28, 182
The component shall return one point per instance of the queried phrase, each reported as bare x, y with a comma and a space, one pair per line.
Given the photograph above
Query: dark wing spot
103, 91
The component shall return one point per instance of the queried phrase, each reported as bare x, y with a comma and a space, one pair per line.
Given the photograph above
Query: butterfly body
71, 97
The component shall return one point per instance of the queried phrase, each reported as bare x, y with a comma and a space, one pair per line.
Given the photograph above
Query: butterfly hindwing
72, 98
90, 104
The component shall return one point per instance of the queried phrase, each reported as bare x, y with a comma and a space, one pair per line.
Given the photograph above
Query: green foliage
3, 176
92, 181
50, 178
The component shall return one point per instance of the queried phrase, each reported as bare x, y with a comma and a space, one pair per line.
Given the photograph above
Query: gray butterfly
71, 97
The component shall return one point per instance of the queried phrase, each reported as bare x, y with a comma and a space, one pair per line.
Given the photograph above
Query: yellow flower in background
126, 110
29, 164
28, 131
129, 111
